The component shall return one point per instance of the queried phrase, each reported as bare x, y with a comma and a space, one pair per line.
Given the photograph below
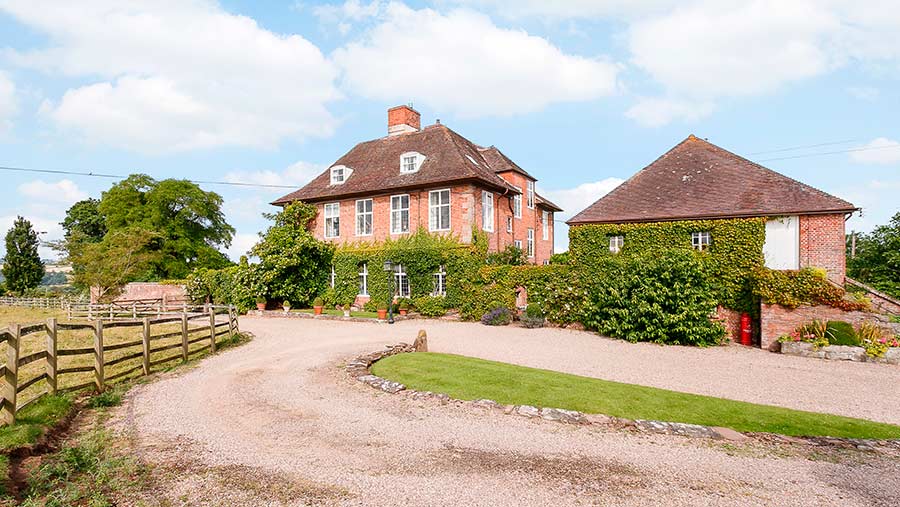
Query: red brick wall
149, 290
822, 244
404, 115
775, 320
465, 212
731, 319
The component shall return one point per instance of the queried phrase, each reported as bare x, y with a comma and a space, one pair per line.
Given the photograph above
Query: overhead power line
121, 177
804, 147
838, 152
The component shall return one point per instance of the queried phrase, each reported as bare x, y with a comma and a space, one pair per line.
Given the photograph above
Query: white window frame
487, 211
509, 224
517, 204
399, 211
418, 159
343, 170
332, 213
400, 278
364, 279
434, 210
616, 243
545, 233
440, 282
332, 278
701, 240
363, 215
518, 243
530, 243
530, 195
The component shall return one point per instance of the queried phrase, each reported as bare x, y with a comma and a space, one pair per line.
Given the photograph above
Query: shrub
806, 286
510, 256
533, 316
372, 305
403, 304
841, 333
499, 315
431, 306
663, 297
875, 339
318, 301
261, 300
108, 398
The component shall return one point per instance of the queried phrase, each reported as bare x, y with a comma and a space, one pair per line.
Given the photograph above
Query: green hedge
735, 251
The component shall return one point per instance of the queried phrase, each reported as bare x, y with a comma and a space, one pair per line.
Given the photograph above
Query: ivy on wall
735, 250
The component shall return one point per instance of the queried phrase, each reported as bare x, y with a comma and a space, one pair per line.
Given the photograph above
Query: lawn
470, 378
340, 313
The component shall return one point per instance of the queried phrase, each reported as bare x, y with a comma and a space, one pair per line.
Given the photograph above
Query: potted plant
286, 305
318, 304
404, 307
346, 309
260, 303
382, 311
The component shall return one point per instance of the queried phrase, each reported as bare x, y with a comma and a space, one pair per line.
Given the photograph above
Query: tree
84, 222
22, 266
188, 224
119, 258
293, 264
877, 260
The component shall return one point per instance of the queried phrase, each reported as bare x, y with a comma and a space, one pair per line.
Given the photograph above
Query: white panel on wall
782, 246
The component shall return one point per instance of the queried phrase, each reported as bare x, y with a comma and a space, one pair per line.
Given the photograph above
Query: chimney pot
403, 120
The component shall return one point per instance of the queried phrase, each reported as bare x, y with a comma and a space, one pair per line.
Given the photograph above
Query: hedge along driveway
470, 378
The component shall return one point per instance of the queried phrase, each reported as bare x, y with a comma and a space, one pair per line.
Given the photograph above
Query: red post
746, 329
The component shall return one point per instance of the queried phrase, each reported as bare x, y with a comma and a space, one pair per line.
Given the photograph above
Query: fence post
212, 329
51, 355
184, 337
11, 379
146, 345
134, 311
99, 377
234, 315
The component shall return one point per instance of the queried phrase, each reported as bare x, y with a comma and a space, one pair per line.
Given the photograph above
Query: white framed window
333, 278
399, 214
364, 217
487, 211
616, 243
440, 282
364, 279
546, 262
508, 224
517, 205
530, 195
439, 210
700, 241
530, 249
545, 232
401, 282
518, 243
333, 220
339, 174
410, 162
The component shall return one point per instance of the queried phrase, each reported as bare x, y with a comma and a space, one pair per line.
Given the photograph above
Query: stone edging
839, 353
358, 368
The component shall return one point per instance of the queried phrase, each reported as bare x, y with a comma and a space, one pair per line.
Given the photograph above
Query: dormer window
410, 162
339, 174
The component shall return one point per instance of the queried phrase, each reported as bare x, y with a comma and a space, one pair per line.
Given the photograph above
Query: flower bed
838, 352
840, 340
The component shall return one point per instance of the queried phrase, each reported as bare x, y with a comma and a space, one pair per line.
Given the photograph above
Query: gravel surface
279, 411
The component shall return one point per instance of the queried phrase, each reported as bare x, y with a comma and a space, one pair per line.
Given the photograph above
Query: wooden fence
128, 309
61, 302
138, 348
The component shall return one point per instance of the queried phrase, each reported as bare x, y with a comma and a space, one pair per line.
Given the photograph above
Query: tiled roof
500, 163
449, 157
697, 179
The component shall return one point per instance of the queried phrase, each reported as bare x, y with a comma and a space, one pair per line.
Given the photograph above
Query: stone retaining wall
839, 352
776, 320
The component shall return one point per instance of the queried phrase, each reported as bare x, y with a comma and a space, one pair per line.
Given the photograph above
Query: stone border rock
839, 353
359, 369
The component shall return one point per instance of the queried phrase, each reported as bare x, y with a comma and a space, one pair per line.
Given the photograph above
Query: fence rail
216, 321
131, 309
61, 302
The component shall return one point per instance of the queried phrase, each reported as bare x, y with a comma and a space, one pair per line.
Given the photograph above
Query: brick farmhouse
432, 179
697, 180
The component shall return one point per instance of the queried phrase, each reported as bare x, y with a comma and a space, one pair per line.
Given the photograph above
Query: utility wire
838, 152
793, 148
119, 176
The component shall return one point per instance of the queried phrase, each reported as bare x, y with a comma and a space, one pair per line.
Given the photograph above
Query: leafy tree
293, 265
188, 224
119, 258
84, 222
54, 278
877, 260
22, 266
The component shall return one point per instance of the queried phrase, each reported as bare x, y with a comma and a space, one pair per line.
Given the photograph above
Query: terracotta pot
286, 309
403, 312
382, 314
317, 310
260, 306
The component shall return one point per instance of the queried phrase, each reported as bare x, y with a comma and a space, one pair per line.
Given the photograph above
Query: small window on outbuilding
700, 241
616, 243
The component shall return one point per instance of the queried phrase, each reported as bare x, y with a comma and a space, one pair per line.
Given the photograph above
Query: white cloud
656, 112
461, 62
879, 151
297, 174
878, 200
177, 75
570, 9
864, 92
63, 192
574, 200
351, 10
240, 245
8, 103
48, 229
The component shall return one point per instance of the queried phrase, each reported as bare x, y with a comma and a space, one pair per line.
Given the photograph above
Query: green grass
34, 420
339, 313
469, 379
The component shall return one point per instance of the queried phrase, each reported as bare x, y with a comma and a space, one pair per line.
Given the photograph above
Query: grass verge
470, 378
340, 313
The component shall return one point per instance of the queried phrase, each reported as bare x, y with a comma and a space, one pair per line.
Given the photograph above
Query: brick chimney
402, 120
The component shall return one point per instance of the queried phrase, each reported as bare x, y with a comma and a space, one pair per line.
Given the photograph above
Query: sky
580, 93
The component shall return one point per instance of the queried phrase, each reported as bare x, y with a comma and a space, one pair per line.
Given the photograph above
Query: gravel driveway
276, 422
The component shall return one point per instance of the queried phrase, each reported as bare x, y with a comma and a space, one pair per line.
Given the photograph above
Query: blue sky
581, 93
